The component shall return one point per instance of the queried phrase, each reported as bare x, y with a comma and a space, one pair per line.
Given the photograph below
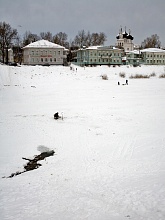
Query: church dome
124, 35
130, 37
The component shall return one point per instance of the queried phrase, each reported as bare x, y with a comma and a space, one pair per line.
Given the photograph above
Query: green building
99, 55
148, 56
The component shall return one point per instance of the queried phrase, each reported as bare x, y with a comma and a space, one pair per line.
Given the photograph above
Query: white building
153, 56
124, 40
44, 52
10, 56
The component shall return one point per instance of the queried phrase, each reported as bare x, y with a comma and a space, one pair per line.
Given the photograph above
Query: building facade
153, 56
148, 56
134, 58
44, 52
99, 55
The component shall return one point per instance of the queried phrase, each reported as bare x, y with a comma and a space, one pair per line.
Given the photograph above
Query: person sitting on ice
56, 116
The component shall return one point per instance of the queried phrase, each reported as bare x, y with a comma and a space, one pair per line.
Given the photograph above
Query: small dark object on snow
118, 83
56, 116
126, 82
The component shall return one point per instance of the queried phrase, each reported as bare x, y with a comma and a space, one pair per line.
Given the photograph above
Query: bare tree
29, 38
81, 39
46, 36
87, 39
17, 49
61, 39
7, 34
151, 42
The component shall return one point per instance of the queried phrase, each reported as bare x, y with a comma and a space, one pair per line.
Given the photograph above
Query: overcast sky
143, 17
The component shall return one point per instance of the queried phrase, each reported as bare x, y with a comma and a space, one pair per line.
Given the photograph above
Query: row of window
45, 52
37, 60
105, 54
156, 61
158, 55
105, 60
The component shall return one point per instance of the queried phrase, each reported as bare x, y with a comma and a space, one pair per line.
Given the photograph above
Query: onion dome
130, 37
125, 34
118, 37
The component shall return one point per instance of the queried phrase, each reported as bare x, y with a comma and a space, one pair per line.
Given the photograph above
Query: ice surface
109, 161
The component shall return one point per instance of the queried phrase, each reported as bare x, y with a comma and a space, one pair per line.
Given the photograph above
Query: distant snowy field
109, 161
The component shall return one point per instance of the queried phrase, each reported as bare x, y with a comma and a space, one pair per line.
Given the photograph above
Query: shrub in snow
122, 74
104, 77
162, 76
153, 74
139, 76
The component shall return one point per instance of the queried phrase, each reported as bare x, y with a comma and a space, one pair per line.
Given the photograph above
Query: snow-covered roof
43, 44
153, 50
93, 47
135, 51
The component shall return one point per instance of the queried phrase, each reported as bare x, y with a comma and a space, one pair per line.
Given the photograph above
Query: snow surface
109, 161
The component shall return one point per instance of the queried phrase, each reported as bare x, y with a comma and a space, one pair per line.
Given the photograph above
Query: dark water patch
33, 163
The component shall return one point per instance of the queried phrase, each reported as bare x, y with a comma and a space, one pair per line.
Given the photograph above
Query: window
41, 59
46, 60
59, 52
54, 59
50, 59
